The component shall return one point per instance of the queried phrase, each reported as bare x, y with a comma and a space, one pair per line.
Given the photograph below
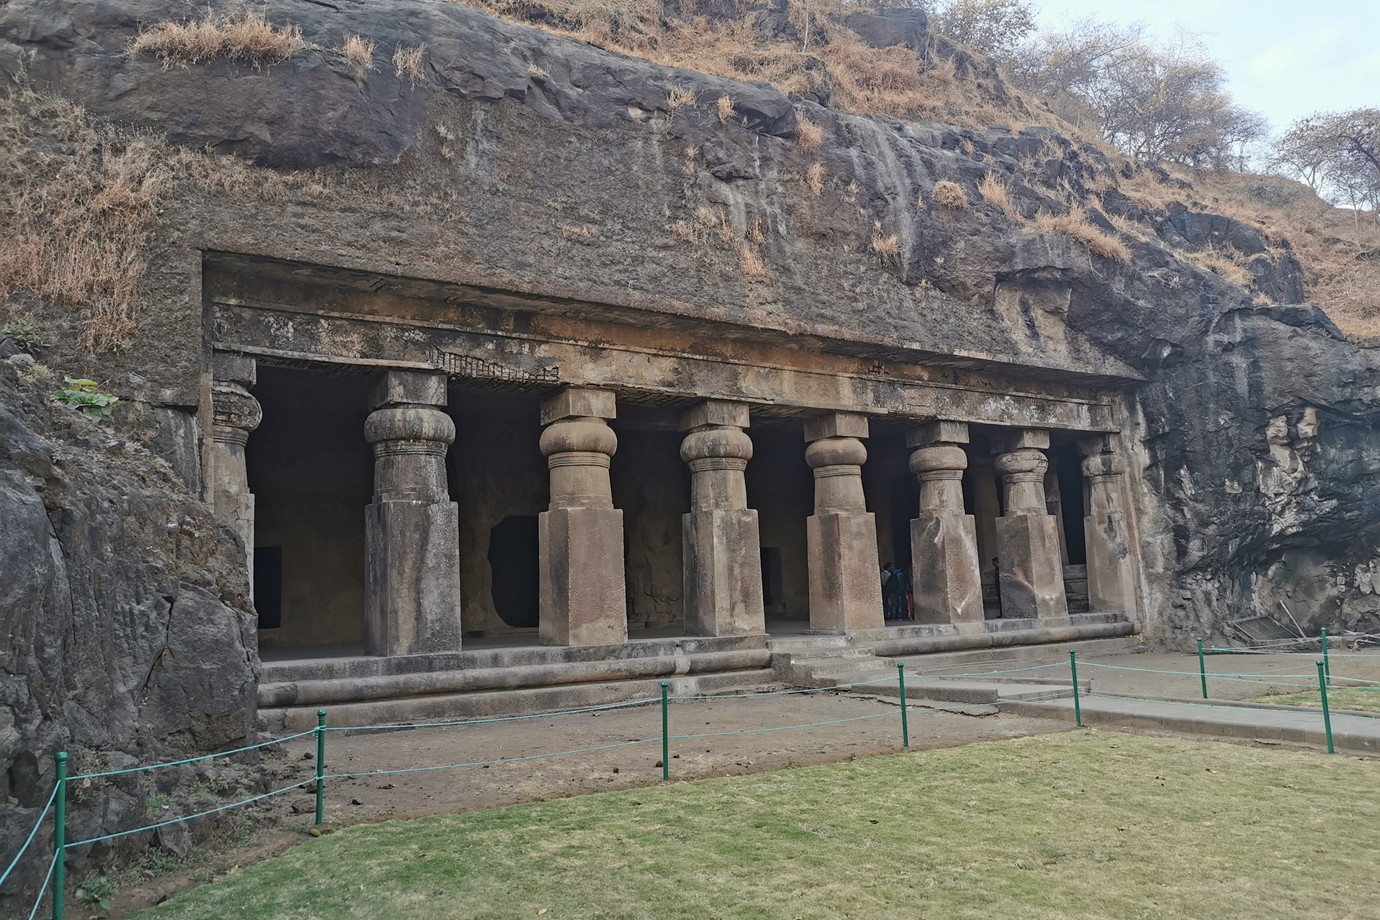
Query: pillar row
1032, 576
1110, 570
946, 575
235, 414
841, 536
583, 598
412, 529
723, 560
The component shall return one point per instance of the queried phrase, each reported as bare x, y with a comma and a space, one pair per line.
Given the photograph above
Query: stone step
512, 702
1019, 656
789, 645
971, 691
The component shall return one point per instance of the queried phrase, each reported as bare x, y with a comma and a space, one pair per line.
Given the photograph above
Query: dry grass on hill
1338, 249
242, 36
827, 57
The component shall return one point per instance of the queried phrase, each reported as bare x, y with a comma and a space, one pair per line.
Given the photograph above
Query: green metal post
320, 764
1327, 716
60, 835
1202, 667
665, 736
1327, 664
905, 725
1077, 709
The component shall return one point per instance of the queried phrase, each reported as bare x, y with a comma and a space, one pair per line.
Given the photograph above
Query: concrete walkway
1160, 692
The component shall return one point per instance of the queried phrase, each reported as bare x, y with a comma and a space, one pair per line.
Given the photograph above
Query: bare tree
1159, 103
1338, 154
994, 28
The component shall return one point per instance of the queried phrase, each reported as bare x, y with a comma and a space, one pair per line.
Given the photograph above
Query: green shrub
82, 395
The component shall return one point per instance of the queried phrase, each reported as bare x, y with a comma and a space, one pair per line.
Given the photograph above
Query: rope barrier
486, 763
30, 839
767, 693
201, 814
780, 728
1212, 674
43, 889
1143, 699
178, 763
538, 715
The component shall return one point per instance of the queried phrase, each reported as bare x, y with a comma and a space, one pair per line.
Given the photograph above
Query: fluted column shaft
841, 536
946, 577
583, 598
722, 549
1032, 575
412, 529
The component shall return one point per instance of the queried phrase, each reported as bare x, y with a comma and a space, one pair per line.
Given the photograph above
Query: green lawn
1076, 825
1365, 698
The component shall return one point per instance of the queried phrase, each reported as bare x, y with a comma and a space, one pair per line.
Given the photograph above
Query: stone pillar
946, 575
1110, 572
583, 598
412, 529
723, 558
234, 416
1032, 576
841, 536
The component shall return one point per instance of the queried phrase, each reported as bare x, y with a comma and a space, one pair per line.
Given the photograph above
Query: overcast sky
1284, 60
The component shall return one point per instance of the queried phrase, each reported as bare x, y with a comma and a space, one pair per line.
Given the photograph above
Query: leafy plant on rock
82, 394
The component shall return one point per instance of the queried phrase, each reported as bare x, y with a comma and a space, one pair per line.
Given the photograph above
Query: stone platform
522, 679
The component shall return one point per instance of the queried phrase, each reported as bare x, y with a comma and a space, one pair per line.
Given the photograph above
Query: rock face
521, 161
127, 625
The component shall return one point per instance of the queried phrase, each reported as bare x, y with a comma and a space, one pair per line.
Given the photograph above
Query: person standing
889, 586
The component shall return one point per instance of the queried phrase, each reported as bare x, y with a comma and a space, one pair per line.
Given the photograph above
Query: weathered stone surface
723, 573
1032, 578
845, 587
945, 576
412, 577
1240, 499
583, 600
125, 607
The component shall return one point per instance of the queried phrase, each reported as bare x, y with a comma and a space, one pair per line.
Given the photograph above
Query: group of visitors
898, 603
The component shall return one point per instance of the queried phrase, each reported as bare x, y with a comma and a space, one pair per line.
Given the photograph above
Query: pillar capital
1021, 439
1023, 465
836, 425
716, 413
937, 432
578, 402
409, 388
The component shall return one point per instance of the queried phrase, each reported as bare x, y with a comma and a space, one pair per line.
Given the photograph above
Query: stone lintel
1022, 439
716, 412
836, 425
579, 402
233, 368
938, 432
409, 388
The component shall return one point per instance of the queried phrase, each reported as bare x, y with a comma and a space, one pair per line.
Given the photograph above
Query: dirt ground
733, 736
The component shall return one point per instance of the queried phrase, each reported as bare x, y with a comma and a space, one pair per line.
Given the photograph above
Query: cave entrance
311, 473
780, 486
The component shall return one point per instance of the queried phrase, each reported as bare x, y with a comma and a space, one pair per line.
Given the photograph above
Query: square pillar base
1110, 578
583, 598
412, 577
723, 573
1032, 574
945, 575
845, 577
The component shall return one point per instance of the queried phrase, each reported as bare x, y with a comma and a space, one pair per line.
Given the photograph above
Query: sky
1283, 60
